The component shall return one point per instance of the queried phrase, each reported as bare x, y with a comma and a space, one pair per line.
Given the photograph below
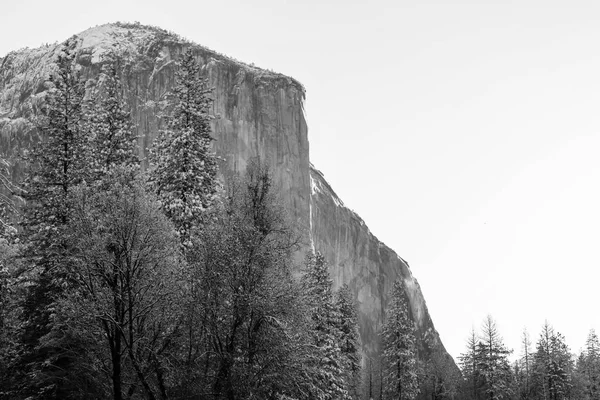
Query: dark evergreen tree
552, 366
10, 293
399, 349
492, 357
184, 172
590, 366
471, 387
113, 142
579, 380
327, 362
56, 165
349, 340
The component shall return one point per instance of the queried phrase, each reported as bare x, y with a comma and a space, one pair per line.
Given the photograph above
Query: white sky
465, 133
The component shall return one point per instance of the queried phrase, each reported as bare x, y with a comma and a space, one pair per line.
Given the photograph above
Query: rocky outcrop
258, 113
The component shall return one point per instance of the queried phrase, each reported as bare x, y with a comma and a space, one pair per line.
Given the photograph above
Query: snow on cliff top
132, 38
101, 39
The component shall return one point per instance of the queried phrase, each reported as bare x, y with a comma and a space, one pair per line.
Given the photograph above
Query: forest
123, 282
123, 278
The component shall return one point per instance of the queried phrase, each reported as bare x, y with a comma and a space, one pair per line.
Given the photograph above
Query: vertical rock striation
258, 113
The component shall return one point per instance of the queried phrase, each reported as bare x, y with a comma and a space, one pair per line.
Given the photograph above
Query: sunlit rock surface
258, 112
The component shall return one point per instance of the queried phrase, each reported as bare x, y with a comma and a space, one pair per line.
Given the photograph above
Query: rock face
368, 266
258, 113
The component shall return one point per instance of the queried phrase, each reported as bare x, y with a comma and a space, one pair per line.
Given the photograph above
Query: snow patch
105, 38
314, 186
310, 222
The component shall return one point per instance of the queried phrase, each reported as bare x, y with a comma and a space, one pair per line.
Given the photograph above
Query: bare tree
128, 277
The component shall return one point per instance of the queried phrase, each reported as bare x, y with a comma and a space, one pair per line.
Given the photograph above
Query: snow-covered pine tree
552, 366
493, 362
326, 362
591, 366
580, 380
56, 166
399, 349
561, 367
113, 140
349, 339
184, 173
58, 162
469, 364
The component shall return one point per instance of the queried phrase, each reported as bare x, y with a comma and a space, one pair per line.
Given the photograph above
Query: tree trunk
116, 362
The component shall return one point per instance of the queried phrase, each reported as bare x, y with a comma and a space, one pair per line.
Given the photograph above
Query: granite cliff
258, 113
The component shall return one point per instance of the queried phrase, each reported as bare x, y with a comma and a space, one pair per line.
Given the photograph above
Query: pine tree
399, 351
580, 380
56, 166
552, 366
349, 340
113, 141
469, 364
493, 362
10, 293
591, 366
58, 163
184, 174
323, 321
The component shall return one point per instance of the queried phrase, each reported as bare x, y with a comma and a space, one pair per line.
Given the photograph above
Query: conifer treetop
184, 171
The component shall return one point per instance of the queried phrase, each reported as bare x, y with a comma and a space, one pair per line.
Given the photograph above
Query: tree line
165, 283
544, 370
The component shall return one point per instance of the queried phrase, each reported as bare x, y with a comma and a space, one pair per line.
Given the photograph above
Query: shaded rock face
258, 113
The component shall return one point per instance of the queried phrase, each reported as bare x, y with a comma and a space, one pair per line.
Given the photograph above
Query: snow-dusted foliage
349, 339
592, 365
587, 373
552, 366
326, 360
109, 124
57, 165
485, 367
399, 349
126, 298
245, 324
185, 167
493, 364
470, 368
